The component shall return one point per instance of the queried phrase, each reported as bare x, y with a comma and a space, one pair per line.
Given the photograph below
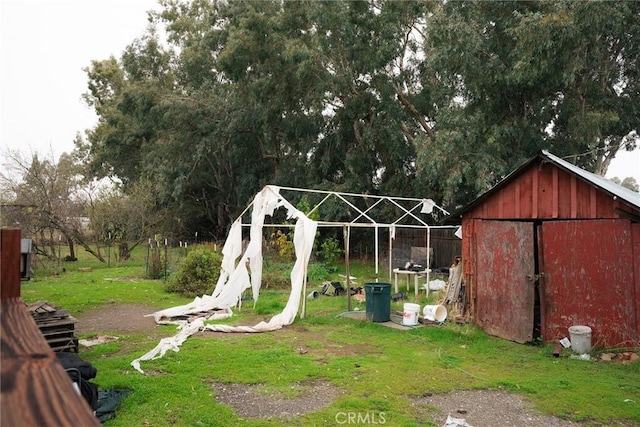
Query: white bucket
436, 313
410, 314
580, 338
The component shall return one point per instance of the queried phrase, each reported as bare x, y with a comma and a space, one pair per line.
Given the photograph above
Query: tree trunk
72, 250
124, 251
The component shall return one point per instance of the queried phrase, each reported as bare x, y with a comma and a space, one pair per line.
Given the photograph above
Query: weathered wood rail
35, 390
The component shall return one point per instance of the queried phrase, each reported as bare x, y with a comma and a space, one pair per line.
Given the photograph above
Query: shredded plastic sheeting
456, 422
235, 278
437, 285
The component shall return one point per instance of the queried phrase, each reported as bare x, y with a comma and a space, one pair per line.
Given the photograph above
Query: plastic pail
378, 301
437, 313
580, 336
410, 314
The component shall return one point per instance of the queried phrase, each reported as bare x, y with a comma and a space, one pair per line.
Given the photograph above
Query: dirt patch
487, 408
255, 401
117, 319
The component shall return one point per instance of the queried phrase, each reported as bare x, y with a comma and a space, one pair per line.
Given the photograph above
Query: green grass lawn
376, 368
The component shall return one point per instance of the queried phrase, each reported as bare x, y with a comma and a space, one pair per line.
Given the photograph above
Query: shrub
276, 275
282, 243
330, 250
197, 273
319, 272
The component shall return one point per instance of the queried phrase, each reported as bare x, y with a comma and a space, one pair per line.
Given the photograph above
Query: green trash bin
378, 301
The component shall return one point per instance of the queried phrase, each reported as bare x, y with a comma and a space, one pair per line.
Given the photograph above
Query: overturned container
435, 313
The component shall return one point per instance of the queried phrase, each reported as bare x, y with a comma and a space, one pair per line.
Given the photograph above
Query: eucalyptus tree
380, 96
247, 93
376, 108
516, 77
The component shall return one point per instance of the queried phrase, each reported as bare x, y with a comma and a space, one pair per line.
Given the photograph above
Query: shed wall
546, 192
543, 194
588, 280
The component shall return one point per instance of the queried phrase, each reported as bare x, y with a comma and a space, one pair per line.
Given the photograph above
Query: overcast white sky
45, 44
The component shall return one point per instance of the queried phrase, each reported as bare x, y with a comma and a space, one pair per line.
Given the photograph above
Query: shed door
589, 279
504, 285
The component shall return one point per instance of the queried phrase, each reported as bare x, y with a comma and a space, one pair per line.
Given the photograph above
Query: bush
319, 272
276, 275
282, 244
197, 273
330, 251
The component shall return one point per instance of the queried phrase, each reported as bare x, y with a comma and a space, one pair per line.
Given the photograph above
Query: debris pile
57, 326
624, 358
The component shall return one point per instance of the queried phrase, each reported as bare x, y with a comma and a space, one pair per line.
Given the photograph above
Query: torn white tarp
171, 343
456, 422
235, 278
230, 252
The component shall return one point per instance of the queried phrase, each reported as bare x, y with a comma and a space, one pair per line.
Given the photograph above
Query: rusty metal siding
504, 289
588, 280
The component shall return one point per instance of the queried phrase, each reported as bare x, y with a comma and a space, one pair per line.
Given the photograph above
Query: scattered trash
332, 288
625, 357
437, 285
399, 296
313, 295
456, 422
100, 339
580, 338
584, 356
565, 342
436, 313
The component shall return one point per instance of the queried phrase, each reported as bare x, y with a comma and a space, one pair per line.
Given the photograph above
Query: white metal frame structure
408, 207
235, 278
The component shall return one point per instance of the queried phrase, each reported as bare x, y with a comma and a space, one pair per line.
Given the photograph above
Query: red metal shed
552, 246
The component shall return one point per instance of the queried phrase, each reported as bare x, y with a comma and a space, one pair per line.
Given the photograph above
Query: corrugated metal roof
624, 194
